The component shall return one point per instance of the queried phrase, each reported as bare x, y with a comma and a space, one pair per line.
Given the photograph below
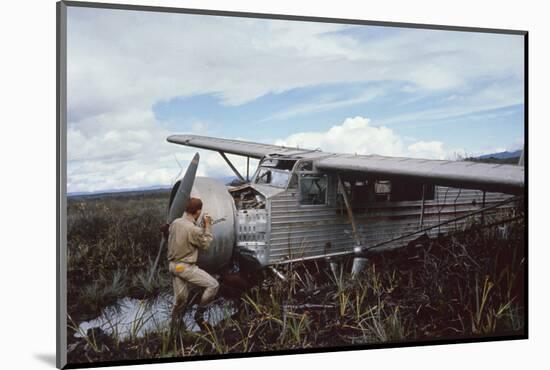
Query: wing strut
232, 167
359, 261
350, 212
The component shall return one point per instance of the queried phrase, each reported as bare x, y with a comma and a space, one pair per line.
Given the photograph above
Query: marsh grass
111, 240
104, 292
465, 285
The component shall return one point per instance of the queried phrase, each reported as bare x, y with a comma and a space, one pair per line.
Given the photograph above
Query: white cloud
120, 60
357, 135
354, 135
121, 63
327, 103
427, 149
486, 98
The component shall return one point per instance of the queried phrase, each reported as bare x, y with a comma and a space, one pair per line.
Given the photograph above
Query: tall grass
110, 243
460, 286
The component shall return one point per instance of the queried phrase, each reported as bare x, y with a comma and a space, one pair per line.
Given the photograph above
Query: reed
465, 285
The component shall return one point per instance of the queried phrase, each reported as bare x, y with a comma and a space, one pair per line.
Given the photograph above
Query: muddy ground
468, 285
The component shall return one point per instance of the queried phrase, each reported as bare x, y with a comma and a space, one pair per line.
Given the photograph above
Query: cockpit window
313, 189
273, 177
280, 164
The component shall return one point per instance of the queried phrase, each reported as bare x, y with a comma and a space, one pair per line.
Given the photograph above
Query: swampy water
131, 317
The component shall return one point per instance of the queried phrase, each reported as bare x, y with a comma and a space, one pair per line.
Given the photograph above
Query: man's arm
202, 237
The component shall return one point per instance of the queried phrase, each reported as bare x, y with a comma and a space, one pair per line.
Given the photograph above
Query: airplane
305, 204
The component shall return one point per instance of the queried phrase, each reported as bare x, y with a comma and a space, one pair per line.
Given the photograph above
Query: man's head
194, 208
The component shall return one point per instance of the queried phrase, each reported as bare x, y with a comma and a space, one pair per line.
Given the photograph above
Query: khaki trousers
185, 273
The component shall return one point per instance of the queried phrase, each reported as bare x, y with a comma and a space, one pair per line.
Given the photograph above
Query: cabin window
280, 164
382, 190
313, 189
272, 177
402, 190
409, 191
275, 172
304, 166
363, 191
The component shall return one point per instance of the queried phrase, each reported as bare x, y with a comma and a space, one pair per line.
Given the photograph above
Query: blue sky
272, 115
136, 77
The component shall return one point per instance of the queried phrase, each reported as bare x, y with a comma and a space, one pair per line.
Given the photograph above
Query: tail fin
520, 162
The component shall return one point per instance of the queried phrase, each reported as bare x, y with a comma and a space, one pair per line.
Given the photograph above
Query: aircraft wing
238, 147
503, 178
461, 174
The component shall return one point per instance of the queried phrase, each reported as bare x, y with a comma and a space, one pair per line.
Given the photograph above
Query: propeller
178, 202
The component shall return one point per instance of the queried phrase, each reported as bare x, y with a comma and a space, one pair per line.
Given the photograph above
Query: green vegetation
465, 285
511, 160
112, 242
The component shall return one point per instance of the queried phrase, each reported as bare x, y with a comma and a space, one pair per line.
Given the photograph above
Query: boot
199, 317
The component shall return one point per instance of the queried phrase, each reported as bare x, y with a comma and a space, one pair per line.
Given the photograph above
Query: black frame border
61, 186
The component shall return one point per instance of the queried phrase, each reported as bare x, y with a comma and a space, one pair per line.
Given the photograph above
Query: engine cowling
218, 204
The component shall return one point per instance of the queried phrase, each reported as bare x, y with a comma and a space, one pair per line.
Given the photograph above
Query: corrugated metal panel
306, 231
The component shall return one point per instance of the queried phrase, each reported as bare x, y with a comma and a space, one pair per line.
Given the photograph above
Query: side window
399, 191
382, 189
305, 166
361, 192
411, 191
313, 189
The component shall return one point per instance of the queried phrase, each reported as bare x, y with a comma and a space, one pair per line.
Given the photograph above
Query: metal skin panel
252, 234
253, 228
302, 232
298, 232
286, 230
217, 203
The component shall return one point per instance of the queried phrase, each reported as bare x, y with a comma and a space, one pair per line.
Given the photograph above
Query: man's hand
207, 221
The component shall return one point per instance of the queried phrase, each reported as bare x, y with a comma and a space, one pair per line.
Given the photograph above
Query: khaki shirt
185, 239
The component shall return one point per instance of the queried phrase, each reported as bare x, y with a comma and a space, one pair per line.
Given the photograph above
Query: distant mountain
502, 155
226, 180
123, 190
498, 158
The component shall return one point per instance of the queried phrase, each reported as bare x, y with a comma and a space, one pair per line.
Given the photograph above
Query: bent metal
307, 204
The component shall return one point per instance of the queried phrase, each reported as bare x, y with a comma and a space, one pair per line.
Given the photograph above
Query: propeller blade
179, 202
184, 191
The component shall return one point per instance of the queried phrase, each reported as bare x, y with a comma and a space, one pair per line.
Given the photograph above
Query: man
185, 239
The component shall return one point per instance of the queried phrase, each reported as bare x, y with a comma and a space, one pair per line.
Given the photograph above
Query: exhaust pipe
359, 264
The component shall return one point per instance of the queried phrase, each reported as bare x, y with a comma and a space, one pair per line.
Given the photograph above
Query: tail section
520, 162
